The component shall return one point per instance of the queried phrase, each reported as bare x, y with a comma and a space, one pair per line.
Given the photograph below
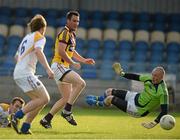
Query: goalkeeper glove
117, 68
149, 125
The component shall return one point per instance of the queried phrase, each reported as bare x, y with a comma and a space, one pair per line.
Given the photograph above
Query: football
167, 122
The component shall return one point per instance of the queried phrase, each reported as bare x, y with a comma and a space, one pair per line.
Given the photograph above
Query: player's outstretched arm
149, 125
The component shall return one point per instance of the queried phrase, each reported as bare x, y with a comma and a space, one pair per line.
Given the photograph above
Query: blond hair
37, 22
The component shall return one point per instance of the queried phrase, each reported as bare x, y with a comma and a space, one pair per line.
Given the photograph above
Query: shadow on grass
67, 133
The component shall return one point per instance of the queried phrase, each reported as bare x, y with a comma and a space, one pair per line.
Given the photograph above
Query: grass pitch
96, 124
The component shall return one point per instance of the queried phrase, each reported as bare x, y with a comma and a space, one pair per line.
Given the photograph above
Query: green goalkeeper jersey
152, 96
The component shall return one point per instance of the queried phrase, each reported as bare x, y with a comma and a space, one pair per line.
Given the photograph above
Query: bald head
158, 74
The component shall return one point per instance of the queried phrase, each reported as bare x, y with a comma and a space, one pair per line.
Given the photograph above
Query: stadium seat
125, 45
97, 23
173, 37
4, 30
50, 32
126, 34
143, 17
157, 36
61, 22
51, 13
21, 12
89, 72
95, 33
13, 30
128, 16
141, 46
142, 35
112, 24
109, 44
6, 11
110, 34
81, 33
143, 26
112, 15
5, 20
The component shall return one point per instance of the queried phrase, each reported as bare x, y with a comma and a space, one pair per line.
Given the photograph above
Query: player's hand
149, 125
89, 61
76, 65
50, 73
117, 68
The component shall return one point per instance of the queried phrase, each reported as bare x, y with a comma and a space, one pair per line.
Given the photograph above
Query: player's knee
46, 100
109, 91
82, 84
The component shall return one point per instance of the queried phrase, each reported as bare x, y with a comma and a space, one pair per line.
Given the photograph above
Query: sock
68, 107
25, 127
101, 98
48, 117
19, 114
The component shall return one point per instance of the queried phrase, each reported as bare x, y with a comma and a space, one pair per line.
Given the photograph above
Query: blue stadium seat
80, 45
125, 45
159, 26
157, 46
84, 23
6, 11
21, 12
13, 41
106, 71
48, 49
140, 56
127, 25
143, 17
84, 15
139, 67
97, 15
2, 40
93, 44
113, 24
112, 15
96, 23
89, 72
34, 11
143, 26
141, 46
159, 17
173, 47
61, 22
52, 13
108, 55
19, 21
109, 44
51, 21
127, 16
173, 58
5, 20
156, 57
125, 56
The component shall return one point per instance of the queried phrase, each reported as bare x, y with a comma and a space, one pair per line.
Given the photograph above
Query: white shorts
59, 71
29, 83
131, 107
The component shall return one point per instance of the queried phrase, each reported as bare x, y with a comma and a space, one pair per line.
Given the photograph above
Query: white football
167, 122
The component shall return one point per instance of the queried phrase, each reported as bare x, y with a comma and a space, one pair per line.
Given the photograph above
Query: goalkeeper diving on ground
137, 104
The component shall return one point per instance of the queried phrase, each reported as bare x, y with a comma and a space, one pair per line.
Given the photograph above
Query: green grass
97, 124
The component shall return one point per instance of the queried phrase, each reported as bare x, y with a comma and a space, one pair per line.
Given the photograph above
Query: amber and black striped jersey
68, 37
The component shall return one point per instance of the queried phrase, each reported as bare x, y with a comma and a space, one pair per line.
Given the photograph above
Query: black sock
119, 103
48, 117
68, 107
119, 93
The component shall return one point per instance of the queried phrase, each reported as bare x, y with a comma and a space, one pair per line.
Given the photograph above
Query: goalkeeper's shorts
131, 107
